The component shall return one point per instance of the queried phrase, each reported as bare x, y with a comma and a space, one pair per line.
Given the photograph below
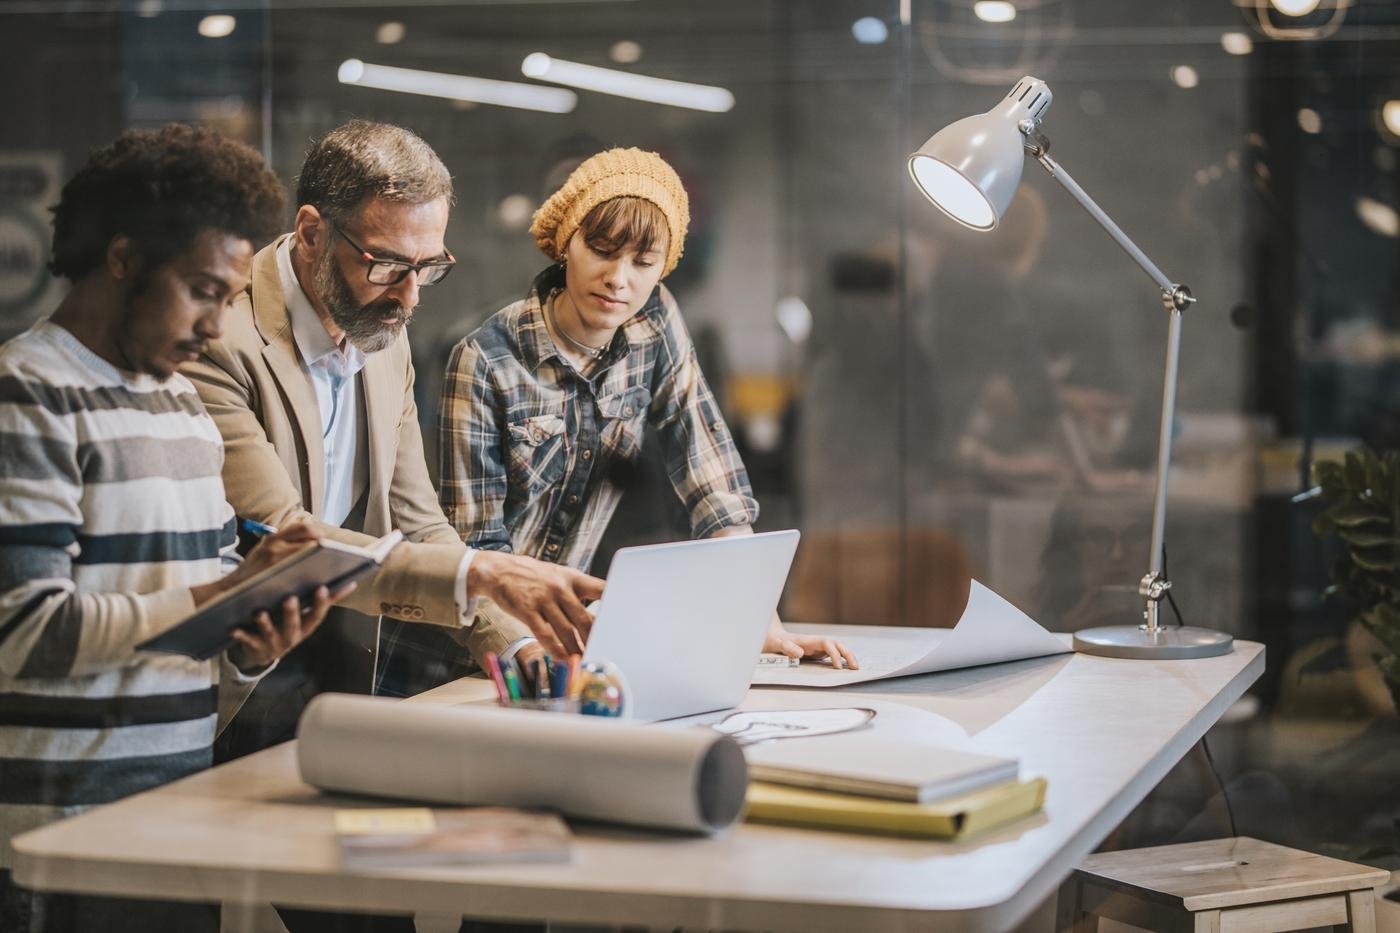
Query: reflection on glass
750, 727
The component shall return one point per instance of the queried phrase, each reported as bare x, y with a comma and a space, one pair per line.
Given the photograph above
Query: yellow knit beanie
607, 175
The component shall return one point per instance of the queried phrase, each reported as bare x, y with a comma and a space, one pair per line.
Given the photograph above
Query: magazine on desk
989, 631
418, 837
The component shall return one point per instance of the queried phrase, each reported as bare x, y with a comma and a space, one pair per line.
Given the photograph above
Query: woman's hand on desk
816, 647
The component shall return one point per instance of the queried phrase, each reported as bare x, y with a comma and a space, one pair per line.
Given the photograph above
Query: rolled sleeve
701, 458
719, 510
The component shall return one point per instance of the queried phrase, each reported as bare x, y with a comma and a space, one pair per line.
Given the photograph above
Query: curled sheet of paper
990, 631
597, 769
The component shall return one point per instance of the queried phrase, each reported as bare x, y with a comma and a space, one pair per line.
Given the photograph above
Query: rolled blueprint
596, 769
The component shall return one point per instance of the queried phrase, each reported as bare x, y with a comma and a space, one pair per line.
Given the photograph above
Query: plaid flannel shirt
535, 455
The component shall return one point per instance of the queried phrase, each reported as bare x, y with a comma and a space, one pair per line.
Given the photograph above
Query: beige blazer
262, 399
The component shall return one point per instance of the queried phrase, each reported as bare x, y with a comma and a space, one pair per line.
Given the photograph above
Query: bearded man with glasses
311, 387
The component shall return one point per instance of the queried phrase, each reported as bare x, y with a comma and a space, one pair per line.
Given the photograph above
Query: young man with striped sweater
113, 522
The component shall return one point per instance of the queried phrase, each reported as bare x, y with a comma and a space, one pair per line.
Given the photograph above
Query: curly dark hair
162, 188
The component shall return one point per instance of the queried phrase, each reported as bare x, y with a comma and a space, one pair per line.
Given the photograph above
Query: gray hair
362, 159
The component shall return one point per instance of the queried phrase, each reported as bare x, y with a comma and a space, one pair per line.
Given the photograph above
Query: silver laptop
685, 622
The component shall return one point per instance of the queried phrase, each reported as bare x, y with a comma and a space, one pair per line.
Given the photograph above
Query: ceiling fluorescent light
625, 84
457, 87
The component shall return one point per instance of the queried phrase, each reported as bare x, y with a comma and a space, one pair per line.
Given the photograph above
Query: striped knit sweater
111, 506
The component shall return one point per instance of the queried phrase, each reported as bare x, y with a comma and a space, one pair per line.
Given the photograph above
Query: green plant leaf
1328, 475
1371, 468
1349, 514
1355, 472
1387, 564
1366, 536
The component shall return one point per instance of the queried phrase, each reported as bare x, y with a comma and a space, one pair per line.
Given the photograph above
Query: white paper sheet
583, 766
990, 631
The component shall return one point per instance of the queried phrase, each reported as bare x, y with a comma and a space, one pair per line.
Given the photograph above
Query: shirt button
539, 436
628, 411
551, 547
573, 500
717, 427
588, 455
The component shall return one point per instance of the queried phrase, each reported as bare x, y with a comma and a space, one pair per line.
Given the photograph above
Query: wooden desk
1104, 731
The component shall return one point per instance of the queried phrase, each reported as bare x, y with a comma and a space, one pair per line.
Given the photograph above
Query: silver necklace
592, 352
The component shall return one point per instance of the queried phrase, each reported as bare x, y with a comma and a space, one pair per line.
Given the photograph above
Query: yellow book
952, 818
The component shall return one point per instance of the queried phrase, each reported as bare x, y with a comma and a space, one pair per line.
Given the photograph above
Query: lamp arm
1059, 174
1176, 298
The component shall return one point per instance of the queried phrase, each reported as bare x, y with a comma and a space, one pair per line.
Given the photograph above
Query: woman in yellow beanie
546, 404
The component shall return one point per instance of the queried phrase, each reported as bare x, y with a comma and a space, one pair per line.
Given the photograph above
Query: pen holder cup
554, 705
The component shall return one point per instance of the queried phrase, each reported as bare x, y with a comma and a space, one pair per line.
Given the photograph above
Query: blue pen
256, 529
542, 675
559, 681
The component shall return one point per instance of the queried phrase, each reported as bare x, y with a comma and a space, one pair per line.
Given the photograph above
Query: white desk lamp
970, 170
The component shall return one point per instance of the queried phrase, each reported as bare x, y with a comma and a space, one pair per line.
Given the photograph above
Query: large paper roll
597, 769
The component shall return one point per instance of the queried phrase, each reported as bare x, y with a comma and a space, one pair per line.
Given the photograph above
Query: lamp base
1169, 644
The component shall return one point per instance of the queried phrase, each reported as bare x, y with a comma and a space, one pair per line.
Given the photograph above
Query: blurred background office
922, 402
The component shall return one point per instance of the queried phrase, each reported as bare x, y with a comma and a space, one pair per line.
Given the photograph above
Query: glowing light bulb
994, 11
1295, 7
1236, 43
217, 26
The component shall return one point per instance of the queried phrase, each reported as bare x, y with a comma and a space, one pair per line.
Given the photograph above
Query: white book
877, 766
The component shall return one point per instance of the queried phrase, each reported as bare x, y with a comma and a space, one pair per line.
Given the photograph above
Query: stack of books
871, 784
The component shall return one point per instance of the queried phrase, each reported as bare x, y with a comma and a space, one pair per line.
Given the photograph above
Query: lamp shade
970, 169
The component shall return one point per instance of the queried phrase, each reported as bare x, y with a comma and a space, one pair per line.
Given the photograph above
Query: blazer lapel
275, 325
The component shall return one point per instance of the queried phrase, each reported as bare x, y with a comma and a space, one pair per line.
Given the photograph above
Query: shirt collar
313, 342
537, 346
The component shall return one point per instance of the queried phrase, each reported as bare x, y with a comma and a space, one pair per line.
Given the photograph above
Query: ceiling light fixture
870, 30
217, 25
390, 33
1295, 7
994, 11
1236, 43
626, 52
1390, 117
1184, 76
626, 84
457, 87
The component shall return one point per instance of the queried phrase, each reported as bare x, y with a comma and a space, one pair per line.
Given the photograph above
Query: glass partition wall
925, 403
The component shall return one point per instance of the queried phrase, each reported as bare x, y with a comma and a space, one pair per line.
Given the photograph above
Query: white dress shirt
333, 370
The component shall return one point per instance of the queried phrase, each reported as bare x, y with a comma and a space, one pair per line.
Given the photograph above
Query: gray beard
362, 324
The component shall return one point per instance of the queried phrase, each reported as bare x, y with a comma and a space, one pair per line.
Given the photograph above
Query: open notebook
325, 563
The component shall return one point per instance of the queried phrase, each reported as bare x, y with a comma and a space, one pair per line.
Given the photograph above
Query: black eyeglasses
394, 271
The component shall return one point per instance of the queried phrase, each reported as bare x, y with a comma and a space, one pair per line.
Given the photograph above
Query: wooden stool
1219, 886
